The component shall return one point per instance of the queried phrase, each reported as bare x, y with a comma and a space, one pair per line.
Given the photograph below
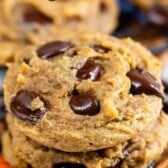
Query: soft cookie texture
138, 152
8, 50
33, 22
8, 153
36, 21
84, 94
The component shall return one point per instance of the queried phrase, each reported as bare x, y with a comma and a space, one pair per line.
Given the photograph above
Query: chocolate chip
26, 60
33, 15
158, 15
103, 7
152, 165
52, 49
84, 104
68, 165
165, 77
29, 166
90, 70
100, 49
21, 106
144, 82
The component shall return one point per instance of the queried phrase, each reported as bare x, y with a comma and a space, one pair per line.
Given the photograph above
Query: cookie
36, 21
8, 153
84, 94
138, 152
8, 50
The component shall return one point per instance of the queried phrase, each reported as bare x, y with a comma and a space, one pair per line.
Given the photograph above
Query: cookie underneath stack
92, 101
26, 22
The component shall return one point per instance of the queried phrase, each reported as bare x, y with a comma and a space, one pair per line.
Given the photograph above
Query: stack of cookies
91, 101
76, 98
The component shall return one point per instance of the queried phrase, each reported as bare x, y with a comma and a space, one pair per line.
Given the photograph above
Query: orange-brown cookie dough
84, 94
139, 152
8, 154
37, 21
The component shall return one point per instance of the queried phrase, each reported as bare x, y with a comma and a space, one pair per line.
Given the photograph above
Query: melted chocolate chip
52, 49
85, 104
90, 70
21, 106
144, 82
100, 49
126, 152
152, 165
68, 165
33, 15
158, 15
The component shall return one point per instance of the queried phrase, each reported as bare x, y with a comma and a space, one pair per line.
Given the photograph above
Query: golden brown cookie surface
82, 94
138, 152
37, 21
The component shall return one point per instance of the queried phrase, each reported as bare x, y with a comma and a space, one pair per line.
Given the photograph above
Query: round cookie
84, 94
138, 152
37, 21
8, 152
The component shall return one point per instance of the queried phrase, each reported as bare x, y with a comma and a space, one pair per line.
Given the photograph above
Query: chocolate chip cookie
84, 94
138, 152
36, 21
8, 152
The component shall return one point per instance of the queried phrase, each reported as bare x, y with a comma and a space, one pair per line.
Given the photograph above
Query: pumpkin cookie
84, 94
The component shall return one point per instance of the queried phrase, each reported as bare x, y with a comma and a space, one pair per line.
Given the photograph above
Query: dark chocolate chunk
158, 15
53, 48
144, 82
33, 15
21, 106
90, 70
85, 104
68, 165
100, 49
126, 153
26, 60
